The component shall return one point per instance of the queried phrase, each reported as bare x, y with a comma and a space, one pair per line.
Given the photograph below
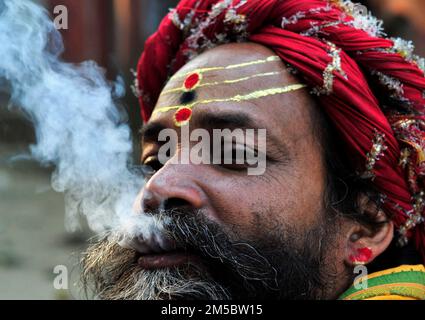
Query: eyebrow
232, 120
223, 120
219, 120
150, 132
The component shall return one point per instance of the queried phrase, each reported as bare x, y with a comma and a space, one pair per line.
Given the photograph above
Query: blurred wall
110, 32
403, 18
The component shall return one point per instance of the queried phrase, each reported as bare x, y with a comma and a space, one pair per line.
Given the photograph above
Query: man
343, 188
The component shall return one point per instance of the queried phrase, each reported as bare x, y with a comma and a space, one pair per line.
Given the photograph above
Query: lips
153, 244
159, 252
165, 260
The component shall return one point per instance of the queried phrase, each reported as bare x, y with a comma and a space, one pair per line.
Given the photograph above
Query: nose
173, 186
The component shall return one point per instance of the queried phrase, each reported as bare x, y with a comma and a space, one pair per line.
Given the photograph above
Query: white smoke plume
79, 127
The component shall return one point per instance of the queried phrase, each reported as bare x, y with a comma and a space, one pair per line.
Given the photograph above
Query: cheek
235, 203
289, 198
306, 194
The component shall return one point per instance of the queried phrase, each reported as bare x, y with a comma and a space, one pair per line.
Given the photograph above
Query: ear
364, 244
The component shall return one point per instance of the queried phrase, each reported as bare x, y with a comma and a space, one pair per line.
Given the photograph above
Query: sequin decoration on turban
371, 87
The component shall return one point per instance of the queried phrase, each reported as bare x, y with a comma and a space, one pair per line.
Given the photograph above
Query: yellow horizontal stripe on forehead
238, 98
232, 66
216, 83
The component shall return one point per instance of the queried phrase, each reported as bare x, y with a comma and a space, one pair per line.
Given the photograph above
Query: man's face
231, 234
291, 189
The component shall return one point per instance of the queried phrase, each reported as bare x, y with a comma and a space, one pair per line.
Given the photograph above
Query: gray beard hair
116, 276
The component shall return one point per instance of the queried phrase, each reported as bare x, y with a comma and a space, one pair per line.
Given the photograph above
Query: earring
363, 255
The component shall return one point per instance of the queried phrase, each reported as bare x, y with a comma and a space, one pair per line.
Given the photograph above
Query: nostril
149, 203
175, 203
171, 193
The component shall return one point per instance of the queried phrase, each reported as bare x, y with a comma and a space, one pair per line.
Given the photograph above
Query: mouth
164, 260
160, 253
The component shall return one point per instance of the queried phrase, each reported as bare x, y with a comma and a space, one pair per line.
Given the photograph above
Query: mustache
190, 230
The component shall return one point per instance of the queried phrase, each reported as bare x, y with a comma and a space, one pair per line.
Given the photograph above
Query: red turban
371, 87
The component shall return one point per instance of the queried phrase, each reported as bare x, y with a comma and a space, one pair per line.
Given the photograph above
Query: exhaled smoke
78, 126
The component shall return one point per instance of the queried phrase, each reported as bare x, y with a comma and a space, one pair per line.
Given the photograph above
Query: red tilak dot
192, 81
182, 116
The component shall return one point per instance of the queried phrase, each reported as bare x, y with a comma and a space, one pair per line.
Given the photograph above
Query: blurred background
33, 239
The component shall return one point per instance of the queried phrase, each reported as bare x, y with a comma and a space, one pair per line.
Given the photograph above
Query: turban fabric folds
372, 88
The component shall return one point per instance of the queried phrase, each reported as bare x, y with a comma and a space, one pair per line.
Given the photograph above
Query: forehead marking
232, 66
192, 81
237, 98
217, 83
182, 116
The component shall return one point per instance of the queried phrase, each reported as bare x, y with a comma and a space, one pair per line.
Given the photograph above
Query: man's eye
234, 157
151, 165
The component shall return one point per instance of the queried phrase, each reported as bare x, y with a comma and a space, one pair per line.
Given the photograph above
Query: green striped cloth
402, 283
